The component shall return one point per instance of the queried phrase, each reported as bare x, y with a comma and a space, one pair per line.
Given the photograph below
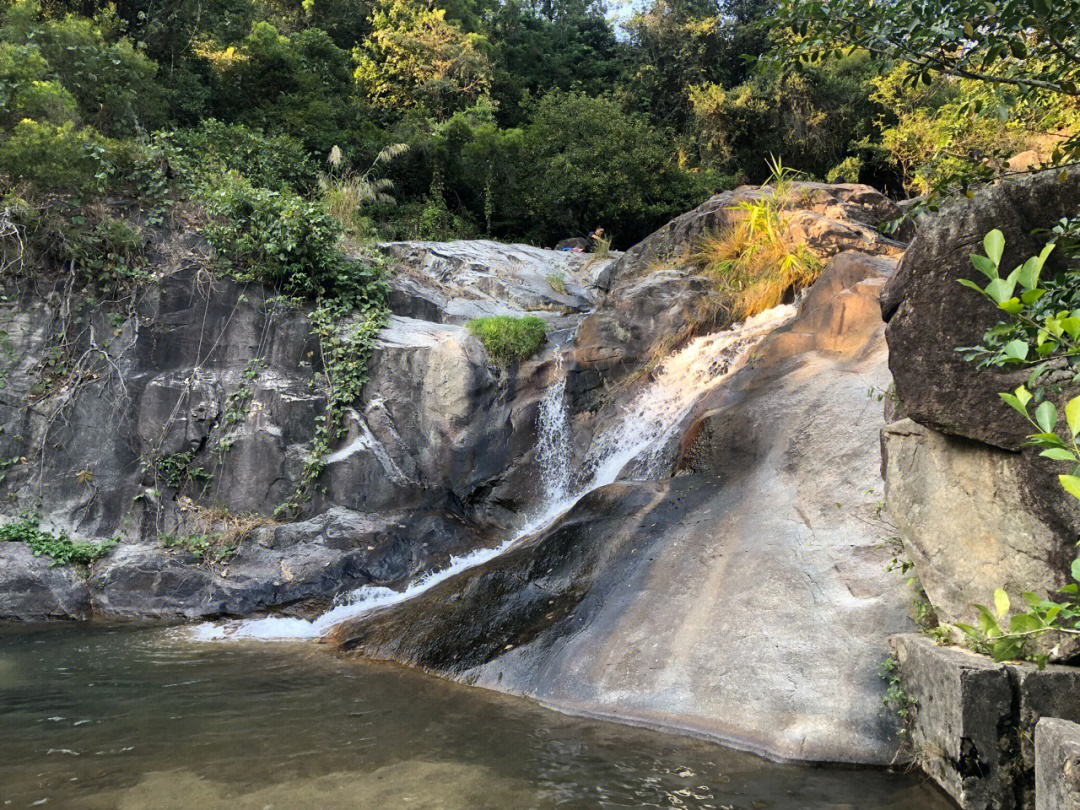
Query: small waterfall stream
638, 441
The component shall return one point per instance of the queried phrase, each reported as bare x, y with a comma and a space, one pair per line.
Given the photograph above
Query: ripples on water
100, 718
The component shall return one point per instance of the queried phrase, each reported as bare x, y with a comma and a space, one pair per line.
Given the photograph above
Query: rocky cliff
733, 581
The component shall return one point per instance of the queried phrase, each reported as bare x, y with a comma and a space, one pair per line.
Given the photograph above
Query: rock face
959, 505
193, 413
687, 603
828, 218
1057, 765
974, 513
930, 314
973, 722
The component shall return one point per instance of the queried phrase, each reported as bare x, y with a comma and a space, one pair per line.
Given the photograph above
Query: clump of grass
557, 282
508, 339
753, 261
61, 548
601, 245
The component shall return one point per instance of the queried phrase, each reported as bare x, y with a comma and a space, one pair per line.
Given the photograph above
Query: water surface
96, 718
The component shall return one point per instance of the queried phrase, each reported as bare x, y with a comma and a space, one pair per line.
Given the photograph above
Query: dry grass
754, 264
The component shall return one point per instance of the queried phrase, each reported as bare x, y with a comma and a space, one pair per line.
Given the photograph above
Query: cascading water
638, 441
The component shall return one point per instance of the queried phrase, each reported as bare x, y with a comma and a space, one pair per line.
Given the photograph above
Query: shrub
60, 547
509, 339
114, 83
53, 156
201, 155
276, 237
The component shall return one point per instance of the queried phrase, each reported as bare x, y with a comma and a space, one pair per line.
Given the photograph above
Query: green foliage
178, 469
112, 81
1042, 327
1031, 50
586, 162
56, 156
896, 698
415, 56
509, 339
61, 548
1044, 312
201, 156
276, 237
815, 116
346, 326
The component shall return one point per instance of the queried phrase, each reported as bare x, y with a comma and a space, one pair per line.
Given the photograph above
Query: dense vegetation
517, 120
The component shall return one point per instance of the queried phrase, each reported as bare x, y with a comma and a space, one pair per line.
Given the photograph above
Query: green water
138, 719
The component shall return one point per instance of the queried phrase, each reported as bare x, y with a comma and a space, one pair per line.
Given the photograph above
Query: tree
1030, 47
414, 56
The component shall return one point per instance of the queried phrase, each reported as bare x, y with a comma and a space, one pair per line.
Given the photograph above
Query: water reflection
95, 719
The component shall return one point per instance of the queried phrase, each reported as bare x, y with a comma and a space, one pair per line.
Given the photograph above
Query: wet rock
313, 560
209, 399
648, 601
1057, 765
31, 590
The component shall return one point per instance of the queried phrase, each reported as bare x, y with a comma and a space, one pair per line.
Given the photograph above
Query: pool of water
95, 718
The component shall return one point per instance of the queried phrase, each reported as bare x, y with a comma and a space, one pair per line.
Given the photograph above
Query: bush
62, 156
270, 161
276, 237
60, 547
114, 84
754, 263
509, 339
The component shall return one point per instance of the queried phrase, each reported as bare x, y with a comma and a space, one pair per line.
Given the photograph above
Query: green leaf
1006, 649
1031, 296
1023, 395
1046, 416
1012, 306
1072, 415
970, 284
1001, 289
1075, 571
987, 623
1016, 350
1059, 454
1071, 484
1001, 602
985, 266
994, 244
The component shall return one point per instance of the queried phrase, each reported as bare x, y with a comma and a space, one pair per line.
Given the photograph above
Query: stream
97, 718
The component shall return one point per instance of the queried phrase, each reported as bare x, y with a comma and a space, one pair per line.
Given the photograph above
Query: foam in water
639, 438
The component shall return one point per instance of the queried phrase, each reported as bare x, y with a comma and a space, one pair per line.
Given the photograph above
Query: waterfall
553, 455
638, 440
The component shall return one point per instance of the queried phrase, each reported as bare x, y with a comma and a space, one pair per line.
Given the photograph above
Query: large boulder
828, 218
930, 315
32, 590
976, 511
960, 507
686, 603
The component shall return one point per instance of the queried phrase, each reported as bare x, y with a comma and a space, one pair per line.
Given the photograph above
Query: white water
639, 437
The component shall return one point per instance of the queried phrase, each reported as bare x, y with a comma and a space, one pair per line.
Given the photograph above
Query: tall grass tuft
345, 191
753, 262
